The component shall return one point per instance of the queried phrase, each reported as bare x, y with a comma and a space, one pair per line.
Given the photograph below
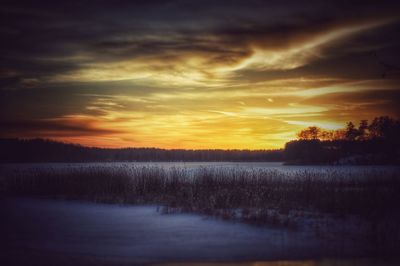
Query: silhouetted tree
385, 127
378, 142
339, 134
363, 133
351, 132
310, 133
386, 66
327, 134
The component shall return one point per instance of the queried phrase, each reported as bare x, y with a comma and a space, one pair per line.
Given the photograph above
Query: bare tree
386, 67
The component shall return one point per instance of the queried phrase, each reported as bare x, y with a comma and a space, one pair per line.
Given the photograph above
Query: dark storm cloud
356, 58
44, 38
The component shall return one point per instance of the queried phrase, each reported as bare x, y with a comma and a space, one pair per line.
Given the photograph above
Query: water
141, 235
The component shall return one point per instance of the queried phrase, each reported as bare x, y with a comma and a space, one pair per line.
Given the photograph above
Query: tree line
376, 142
40, 150
383, 127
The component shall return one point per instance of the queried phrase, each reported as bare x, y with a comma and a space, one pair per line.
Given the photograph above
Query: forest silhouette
368, 143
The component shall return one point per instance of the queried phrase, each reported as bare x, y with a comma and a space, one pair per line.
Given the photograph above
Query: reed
257, 195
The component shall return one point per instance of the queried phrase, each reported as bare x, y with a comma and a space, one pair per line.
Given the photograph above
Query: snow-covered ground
142, 235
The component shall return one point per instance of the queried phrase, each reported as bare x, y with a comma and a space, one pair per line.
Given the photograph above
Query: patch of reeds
249, 193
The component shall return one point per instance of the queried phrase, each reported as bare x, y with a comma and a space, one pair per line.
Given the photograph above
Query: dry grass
249, 193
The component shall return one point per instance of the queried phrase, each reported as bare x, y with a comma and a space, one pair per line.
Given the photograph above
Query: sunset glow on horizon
194, 75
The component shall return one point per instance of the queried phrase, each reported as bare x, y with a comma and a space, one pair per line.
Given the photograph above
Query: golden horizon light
238, 79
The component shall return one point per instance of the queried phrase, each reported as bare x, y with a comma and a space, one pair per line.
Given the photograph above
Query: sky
194, 74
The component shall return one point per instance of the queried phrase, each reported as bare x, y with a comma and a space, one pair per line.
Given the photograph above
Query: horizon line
133, 147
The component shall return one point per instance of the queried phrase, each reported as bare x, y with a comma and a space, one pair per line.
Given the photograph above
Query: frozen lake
49, 231
140, 235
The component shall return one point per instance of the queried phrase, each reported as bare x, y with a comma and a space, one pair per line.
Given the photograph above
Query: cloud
175, 73
360, 104
172, 41
62, 127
